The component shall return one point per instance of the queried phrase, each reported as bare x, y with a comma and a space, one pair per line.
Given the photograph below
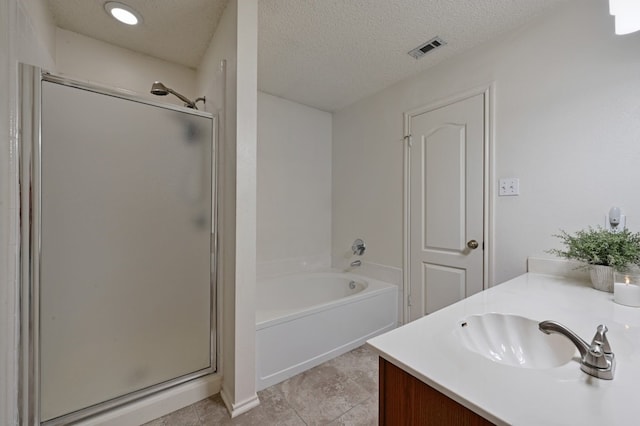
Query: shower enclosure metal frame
29, 262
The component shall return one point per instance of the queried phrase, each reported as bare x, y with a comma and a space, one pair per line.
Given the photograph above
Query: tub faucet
356, 263
596, 359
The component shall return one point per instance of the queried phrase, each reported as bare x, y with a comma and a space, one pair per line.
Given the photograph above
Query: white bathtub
303, 320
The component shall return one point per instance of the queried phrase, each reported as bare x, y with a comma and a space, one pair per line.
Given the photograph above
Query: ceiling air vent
427, 47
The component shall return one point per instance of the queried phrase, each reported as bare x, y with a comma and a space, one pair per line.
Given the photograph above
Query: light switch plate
509, 187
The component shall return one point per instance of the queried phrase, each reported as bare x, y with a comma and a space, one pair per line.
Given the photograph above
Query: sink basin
514, 340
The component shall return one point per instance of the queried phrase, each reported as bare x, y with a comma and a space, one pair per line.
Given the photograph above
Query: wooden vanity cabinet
407, 401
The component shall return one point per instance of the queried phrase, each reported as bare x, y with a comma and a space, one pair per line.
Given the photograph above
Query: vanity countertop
430, 350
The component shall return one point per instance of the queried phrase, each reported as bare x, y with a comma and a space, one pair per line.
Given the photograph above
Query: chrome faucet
356, 263
358, 247
596, 359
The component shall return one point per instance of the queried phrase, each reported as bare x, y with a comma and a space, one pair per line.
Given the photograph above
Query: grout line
299, 416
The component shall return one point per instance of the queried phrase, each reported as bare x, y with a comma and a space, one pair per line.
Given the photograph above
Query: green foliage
600, 247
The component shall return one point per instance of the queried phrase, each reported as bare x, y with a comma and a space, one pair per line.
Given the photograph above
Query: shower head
159, 89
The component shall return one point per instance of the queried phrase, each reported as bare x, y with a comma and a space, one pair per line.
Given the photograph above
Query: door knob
473, 244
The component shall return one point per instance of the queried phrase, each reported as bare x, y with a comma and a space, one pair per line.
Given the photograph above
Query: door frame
488, 196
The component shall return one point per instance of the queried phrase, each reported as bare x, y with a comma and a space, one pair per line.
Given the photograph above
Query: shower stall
117, 247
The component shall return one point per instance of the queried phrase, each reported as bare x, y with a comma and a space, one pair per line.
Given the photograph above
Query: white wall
294, 184
44, 29
246, 189
210, 78
566, 123
235, 41
23, 29
83, 58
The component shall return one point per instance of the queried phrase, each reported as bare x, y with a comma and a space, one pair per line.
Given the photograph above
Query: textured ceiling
322, 53
174, 30
330, 53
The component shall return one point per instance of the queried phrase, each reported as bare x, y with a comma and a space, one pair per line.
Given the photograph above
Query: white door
446, 253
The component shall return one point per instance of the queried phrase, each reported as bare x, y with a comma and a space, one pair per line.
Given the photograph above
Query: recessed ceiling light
122, 13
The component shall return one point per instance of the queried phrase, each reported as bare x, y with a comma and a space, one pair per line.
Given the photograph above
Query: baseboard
157, 405
235, 409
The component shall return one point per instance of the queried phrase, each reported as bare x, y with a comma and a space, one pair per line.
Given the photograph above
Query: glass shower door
125, 279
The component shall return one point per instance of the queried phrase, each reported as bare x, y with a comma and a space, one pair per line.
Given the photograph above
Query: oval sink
514, 340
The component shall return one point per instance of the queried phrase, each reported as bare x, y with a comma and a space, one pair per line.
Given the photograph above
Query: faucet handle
600, 339
358, 247
596, 358
599, 354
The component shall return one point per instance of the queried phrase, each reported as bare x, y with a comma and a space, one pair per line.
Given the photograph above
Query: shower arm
202, 98
187, 102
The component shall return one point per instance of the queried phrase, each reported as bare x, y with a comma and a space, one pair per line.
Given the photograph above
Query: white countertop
430, 350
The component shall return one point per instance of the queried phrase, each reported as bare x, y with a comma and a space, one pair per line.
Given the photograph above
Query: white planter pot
602, 277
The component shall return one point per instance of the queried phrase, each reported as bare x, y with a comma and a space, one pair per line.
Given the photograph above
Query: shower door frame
29, 194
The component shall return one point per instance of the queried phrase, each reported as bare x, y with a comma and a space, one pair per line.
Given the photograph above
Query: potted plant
602, 251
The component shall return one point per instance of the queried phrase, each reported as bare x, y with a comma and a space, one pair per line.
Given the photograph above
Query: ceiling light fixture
627, 15
122, 13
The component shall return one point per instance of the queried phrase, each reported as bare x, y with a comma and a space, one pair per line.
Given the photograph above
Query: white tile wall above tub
287, 266
294, 180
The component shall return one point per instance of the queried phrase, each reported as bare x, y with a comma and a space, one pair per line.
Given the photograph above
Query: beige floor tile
266, 414
156, 422
364, 414
273, 410
212, 411
342, 391
361, 366
186, 416
322, 394
269, 393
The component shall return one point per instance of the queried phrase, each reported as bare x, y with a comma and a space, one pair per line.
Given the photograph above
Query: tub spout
356, 263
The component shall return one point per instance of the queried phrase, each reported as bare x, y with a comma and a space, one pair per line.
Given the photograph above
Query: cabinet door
405, 400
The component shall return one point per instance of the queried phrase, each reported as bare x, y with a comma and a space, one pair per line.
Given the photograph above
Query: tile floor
342, 391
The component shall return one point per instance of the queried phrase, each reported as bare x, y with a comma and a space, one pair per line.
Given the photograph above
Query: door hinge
408, 139
409, 300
